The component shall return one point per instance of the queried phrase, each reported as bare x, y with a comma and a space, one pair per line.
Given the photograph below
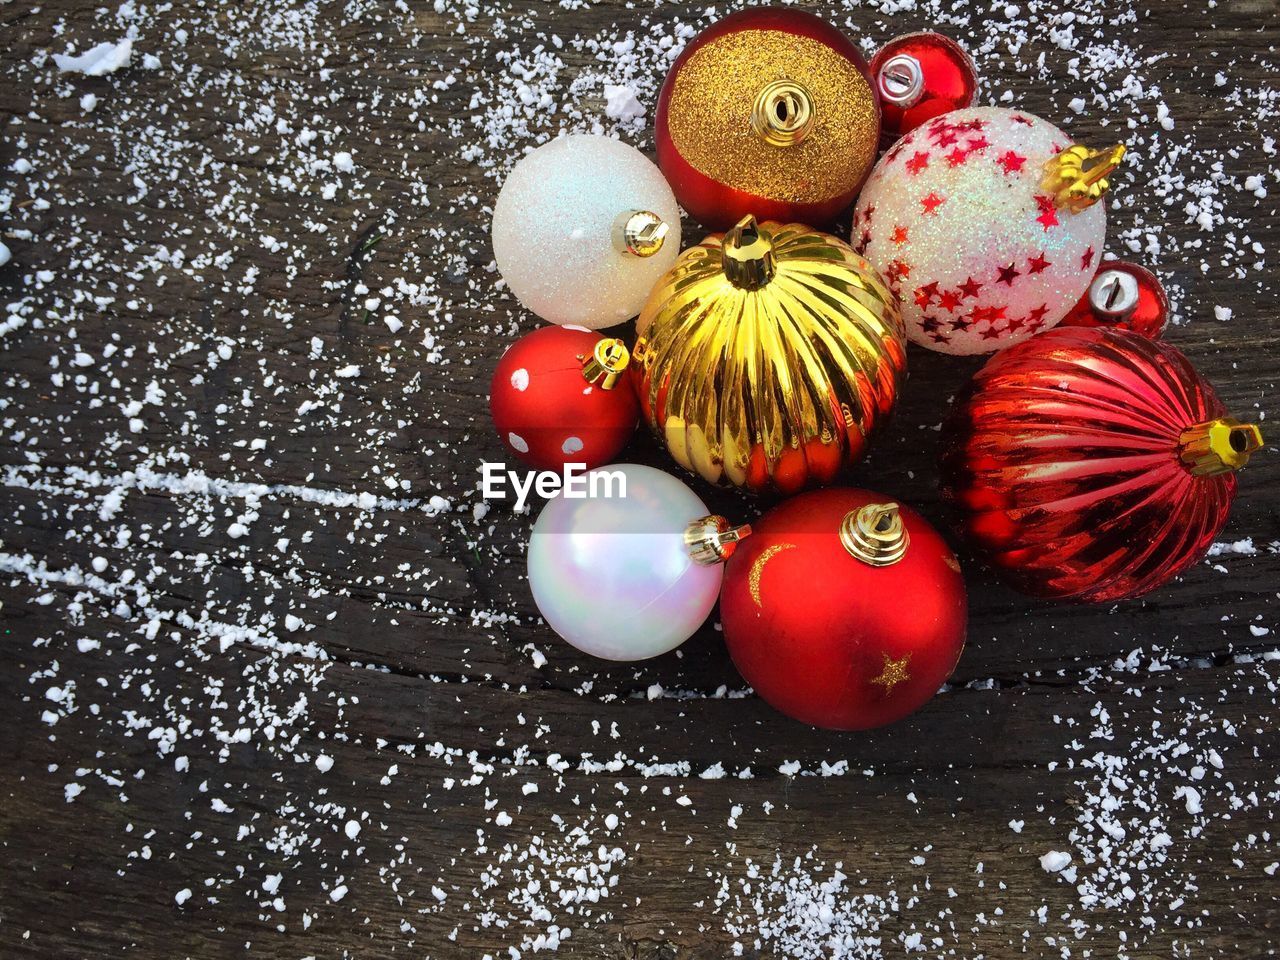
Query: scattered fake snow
199, 576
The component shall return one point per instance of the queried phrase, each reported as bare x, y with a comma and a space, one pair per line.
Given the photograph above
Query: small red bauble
1092, 463
769, 112
559, 396
918, 77
1122, 295
844, 609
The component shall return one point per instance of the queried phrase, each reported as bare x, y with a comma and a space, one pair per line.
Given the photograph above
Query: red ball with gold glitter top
1125, 296
769, 112
844, 609
920, 76
1092, 464
560, 395
987, 224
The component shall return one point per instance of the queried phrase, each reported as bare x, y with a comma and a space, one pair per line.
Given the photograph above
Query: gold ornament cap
875, 534
783, 113
1077, 177
748, 255
712, 539
606, 363
640, 233
1218, 446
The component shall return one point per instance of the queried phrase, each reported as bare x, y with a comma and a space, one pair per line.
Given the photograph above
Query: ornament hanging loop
748, 255
783, 113
1218, 446
1114, 295
901, 80
712, 539
606, 363
875, 534
1077, 177
640, 233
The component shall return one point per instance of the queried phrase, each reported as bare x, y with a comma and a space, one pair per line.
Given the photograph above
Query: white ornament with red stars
986, 226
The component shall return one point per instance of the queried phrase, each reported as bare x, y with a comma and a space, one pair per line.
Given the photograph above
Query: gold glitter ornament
769, 112
766, 356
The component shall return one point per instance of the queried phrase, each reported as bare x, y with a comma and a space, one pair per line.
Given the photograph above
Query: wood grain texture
423, 650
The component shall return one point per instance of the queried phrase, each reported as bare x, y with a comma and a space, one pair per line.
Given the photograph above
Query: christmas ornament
631, 570
1093, 463
1122, 295
766, 355
918, 77
582, 228
768, 112
844, 609
558, 396
987, 225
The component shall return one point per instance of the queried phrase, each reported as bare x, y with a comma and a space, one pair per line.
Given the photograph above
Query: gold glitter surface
757, 568
709, 116
895, 672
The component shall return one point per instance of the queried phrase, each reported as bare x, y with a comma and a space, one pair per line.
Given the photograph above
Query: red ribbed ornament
844, 609
1092, 463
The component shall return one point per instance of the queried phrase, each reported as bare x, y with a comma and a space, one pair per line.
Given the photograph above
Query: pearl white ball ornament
623, 577
986, 223
583, 228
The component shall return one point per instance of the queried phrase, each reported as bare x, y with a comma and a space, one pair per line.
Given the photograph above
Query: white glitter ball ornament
986, 223
583, 228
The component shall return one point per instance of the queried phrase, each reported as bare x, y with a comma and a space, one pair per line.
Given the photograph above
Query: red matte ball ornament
768, 112
559, 395
1122, 295
920, 76
844, 609
1092, 463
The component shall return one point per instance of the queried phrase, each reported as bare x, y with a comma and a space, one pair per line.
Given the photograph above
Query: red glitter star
949, 300
867, 213
974, 124
1038, 263
918, 162
1012, 162
987, 314
1036, 317
926, 293
932, 202
1086, 260
1007, 275
969, 288
1048, 212
899, 234
957, 157
978, 143
897, 271
943, 138
864, 240
1025, 121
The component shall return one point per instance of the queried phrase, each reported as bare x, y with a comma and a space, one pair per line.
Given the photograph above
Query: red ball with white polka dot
559, 396
920, 76
1123, 295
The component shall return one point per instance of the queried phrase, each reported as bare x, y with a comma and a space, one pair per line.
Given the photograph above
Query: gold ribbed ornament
767, 354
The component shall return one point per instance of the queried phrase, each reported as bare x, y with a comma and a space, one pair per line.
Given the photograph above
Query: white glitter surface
957, 220
554, 230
